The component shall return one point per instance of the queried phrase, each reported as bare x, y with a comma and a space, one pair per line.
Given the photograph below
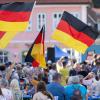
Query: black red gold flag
35, 54
74, 33
14, 18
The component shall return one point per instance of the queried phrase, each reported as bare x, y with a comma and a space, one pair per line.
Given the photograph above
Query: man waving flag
14, 18
74, 33
35, 54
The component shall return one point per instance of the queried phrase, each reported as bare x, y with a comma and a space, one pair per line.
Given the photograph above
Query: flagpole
34, 4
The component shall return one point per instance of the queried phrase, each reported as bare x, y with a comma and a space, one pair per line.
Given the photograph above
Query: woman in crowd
1, 95
14, 85
42, 93
89, 79
7, 93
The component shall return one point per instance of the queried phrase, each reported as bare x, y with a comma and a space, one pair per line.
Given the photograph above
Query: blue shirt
57, 90
96, 70
70, 89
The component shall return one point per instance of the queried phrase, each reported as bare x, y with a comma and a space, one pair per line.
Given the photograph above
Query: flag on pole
35, 54
14, 18
74, 33
6, 38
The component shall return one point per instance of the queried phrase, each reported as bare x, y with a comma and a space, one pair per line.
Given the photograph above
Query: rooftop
51, 1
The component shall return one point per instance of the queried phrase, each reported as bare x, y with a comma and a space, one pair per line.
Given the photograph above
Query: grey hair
56, 76
3, 82
75, 79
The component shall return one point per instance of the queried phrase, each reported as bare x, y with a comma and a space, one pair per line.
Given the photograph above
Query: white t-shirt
51, 73
7, 94
2, 97
89, 82
96, 88
40, 96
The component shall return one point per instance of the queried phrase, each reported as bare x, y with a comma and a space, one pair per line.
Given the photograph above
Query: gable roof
63, 1
51, 1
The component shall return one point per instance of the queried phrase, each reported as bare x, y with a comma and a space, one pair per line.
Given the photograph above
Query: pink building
46, 12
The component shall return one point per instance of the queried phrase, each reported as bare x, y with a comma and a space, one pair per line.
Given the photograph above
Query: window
41, 20
77, 56
3, 57
29, 28
56, 18
24, 53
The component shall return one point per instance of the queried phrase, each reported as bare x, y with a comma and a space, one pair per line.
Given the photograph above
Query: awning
59, 53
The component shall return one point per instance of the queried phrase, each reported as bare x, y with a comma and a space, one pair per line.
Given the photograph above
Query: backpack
76, 94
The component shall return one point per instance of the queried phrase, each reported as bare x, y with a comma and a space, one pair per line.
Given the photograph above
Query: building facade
49, 13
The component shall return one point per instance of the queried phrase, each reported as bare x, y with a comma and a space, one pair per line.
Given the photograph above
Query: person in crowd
59, 64
55, 88
67, 78
64, 71
26, 88
83, 72
39, 76
7, 93
31, 90
75, 90
15, 88
73, 62
1, 75
26, 71
14, 75
10, 71
49, 64
19, 70
3, 70
22, 83
89, 79
52, 71
89, 67
45, 76
42, 93
95, 88
74, 71
2, 97
96, 69
81, 77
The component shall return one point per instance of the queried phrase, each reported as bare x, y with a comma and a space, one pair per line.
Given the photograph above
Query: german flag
74, 33
14, 18
5, 38
1, 34
35, 54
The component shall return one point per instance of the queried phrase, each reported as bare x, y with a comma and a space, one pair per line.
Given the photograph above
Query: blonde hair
14, 85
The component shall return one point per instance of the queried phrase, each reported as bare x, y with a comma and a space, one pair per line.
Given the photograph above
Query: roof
63, 1
51, 1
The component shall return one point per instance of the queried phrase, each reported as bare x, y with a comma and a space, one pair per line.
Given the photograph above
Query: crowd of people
64, 79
